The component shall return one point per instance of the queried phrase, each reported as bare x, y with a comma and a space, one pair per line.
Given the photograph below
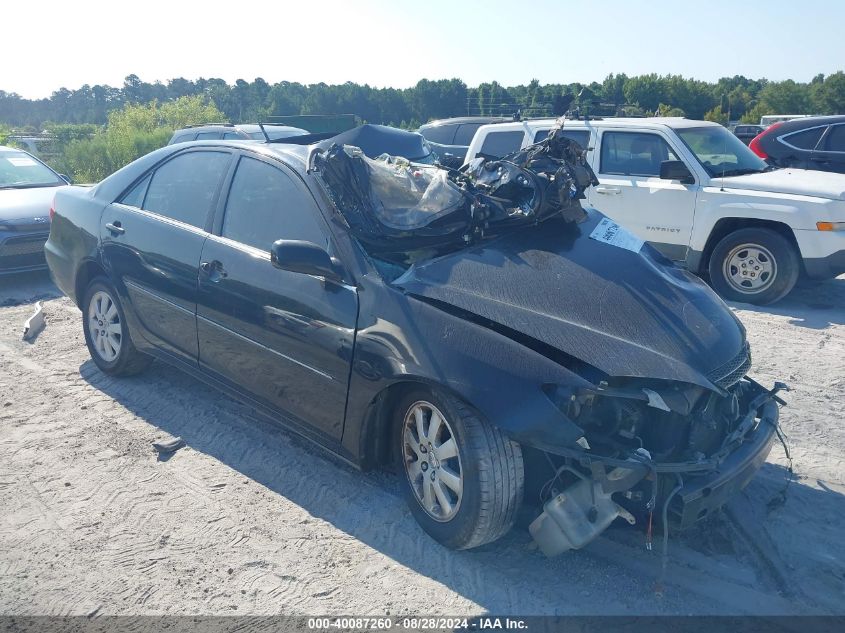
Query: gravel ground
249, 519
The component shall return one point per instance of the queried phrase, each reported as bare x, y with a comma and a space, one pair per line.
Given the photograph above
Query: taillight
52, 208
754, 145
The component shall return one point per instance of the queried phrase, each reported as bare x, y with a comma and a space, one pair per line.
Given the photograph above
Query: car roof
810, 121
6, 148
466, 119
672, 122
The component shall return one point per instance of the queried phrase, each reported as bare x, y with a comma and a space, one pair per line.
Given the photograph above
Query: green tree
716, 115
131, 132
829, 95
786, 97
753, 115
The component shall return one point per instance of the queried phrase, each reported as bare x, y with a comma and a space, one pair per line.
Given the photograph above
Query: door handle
115, 228
214, 269
609, 190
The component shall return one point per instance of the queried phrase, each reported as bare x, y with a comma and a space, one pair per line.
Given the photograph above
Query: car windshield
19, 170
720, 152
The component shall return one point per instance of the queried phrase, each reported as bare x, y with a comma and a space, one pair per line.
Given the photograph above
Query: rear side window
232, 135
209, 136
184, 186
442, 134
182, 138
465, 132
582, 137
633, 153
498, 144
835, 139
805, 139
266, 204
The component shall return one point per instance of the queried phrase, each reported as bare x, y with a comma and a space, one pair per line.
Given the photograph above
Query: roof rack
204, 124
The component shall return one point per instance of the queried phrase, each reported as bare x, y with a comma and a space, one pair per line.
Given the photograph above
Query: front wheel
462, 477
754, 265
107, 333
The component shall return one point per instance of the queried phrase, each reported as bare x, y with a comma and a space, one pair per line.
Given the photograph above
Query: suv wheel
754, 266
106, 332
462, 477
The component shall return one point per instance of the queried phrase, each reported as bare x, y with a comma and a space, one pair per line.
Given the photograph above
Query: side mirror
304, 257
676, 170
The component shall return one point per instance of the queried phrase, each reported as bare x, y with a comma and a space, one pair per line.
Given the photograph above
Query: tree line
730, 98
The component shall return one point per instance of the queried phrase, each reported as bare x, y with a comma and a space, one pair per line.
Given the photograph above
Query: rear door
631, 192
152, 239
286, 338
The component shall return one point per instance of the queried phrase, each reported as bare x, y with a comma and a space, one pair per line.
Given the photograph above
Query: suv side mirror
304, 257
676, 170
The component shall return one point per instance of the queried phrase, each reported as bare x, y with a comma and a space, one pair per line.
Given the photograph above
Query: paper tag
611, 233
22, 161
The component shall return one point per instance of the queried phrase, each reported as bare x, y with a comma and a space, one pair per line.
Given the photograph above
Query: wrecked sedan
479, 329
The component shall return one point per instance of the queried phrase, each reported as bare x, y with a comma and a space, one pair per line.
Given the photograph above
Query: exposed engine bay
662, 423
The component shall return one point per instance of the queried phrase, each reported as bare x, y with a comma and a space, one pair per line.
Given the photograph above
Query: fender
498, 376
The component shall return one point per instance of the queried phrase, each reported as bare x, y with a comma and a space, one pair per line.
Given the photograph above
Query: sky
53, 44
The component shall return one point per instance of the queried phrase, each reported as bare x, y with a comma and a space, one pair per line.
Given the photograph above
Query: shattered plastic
395, 207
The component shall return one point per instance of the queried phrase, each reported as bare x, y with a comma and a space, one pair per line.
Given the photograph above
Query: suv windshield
720, 152
19, 170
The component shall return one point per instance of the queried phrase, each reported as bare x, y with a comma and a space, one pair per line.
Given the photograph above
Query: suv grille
731, 372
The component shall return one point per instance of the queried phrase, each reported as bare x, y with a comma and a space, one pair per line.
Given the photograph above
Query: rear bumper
705, 493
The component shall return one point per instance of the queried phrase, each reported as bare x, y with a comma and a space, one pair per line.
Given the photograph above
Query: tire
488, 465
113, 352
754, 265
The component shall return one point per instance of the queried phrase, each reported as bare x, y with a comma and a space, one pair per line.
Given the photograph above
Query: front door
631, 192
284, 337
152, 239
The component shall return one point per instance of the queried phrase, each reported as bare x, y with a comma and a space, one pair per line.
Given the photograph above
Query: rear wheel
462, 477
754, 265
106, 332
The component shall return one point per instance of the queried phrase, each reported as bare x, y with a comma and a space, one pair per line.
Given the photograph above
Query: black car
806, 143
450, 138
746, 133
480, 330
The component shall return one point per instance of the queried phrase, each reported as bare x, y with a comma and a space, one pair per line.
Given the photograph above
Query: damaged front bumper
707, 492
679, 493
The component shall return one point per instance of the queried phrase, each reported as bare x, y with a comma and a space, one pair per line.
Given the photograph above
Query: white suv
702, 198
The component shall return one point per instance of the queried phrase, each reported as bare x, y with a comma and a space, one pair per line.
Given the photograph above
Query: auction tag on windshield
22, 162
611, 233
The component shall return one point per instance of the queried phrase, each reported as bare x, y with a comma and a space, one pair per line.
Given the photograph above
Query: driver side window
633, 154
265, 204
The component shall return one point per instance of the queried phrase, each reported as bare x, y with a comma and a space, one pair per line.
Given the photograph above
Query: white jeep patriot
702, 198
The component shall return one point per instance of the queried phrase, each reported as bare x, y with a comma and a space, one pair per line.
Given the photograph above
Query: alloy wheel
432, 461
104, 326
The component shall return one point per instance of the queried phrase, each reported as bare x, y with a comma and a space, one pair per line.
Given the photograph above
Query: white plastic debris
35, 323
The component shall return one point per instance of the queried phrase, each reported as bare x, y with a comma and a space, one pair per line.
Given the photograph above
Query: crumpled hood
26, 204
803, 182
626, 313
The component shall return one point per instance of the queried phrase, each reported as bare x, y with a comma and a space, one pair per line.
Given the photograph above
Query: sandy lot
249, 519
